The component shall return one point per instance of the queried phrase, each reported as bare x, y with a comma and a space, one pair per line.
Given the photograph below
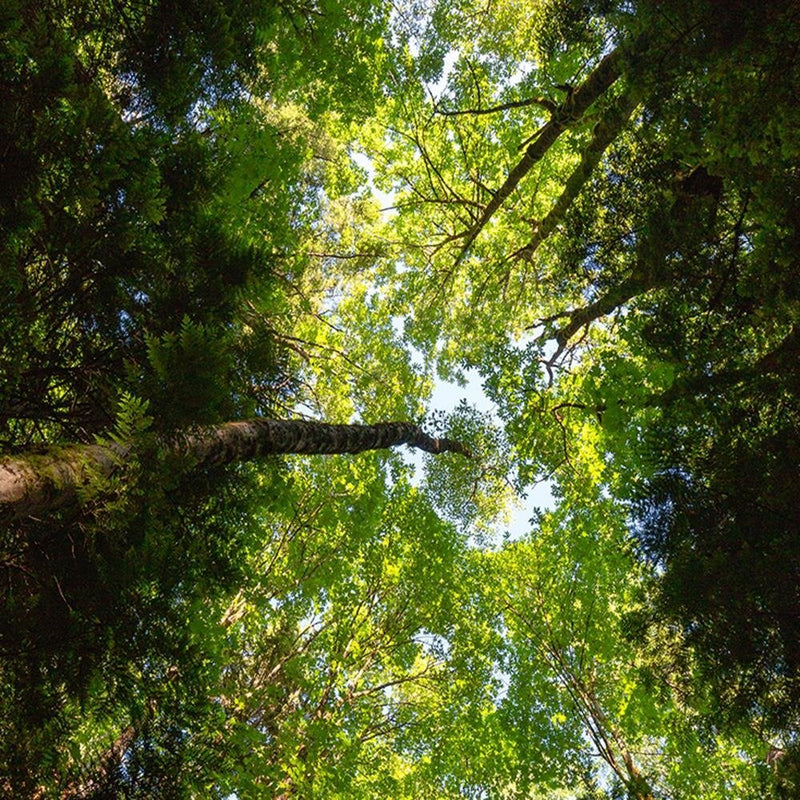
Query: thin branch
541, 102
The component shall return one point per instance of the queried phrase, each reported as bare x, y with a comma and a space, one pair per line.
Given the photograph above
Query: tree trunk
605, 132
566, 116
33, 484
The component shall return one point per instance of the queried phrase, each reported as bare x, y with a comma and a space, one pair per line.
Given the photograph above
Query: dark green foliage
113, 222
95, 613
721, 515
723, 519
209, 47
680, 261
106, 236
126, 272
161, 182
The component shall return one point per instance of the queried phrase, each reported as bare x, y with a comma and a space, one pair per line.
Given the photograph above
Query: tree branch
606, 130
567, 114
631, 287
542, 102
32, 484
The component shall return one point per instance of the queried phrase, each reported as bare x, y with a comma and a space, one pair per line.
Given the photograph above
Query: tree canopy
238, 235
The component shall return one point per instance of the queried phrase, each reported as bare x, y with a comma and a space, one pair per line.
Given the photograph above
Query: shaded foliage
125, 271
722, 520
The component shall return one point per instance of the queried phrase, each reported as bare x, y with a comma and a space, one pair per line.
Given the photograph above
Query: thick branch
570, 112
606, 130
248, 439
631, 287
34, 484
677, 229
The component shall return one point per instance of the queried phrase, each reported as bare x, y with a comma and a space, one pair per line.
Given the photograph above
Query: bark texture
242, 441
567, 115
35, 484
605, 132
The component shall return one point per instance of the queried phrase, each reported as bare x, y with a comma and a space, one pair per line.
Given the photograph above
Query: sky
446, 395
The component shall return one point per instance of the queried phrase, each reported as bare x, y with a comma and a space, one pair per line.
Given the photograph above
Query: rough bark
34, 484
571, 111
616, 296
31, 484
605, 132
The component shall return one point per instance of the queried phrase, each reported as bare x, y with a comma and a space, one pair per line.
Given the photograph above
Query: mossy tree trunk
32, 484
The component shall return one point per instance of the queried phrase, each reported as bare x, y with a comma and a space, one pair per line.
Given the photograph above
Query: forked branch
568, 113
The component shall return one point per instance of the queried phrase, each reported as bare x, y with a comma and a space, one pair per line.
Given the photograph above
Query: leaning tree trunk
564, 117
34, 484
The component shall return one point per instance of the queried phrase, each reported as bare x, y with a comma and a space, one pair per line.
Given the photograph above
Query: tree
138, 263
720, 515
593, 212
35, 484
628, 282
